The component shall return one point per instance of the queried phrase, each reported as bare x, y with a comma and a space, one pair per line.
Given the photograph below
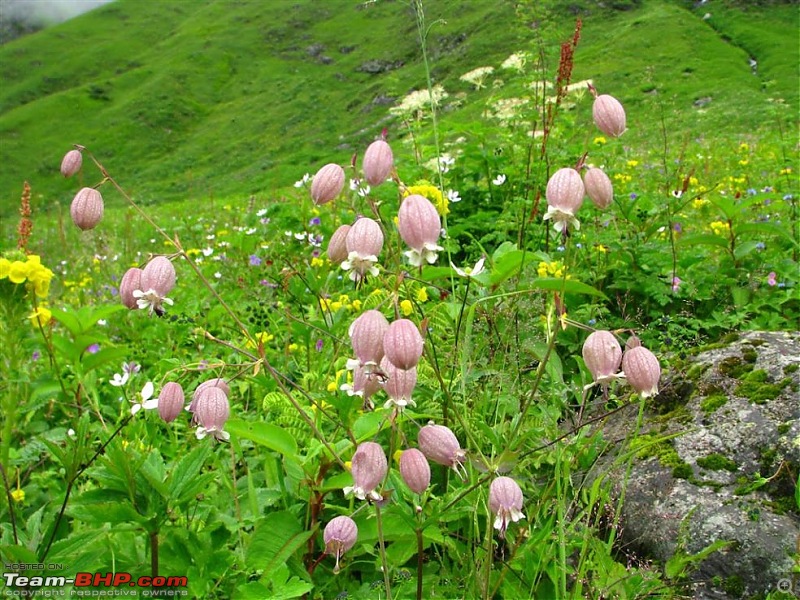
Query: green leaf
103, 357
68, 320
768, 229
568, 287
507, 265
186, 470
704, 239
264, 434
744, 249
104, 512
276, 538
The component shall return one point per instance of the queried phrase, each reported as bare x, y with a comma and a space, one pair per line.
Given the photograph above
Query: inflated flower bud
365, 384
86, 209
399, 384
378, 162
132, 280
158, 275
366, 336
217, 382
564, 194
415, 470
602, 355
170, 401
327, 184
439, 444
402, 344
337, 248
642, 370
71, 163
211, 412
598, 187
364, 242
505, 501
369, 467
609, 116
340, 535
419, 225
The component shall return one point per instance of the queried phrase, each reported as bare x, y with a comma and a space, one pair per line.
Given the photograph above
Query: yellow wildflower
633, 163
18, 272
432, 193
348, 464
355, 305
720, 228
699, 202
693, 180
786, 171
41, 316
622, 177
396, 455
325, 304
5, 267
422, 295
335, 306
744, 162
317, 262
332, 387
18, 495
406, 307
744, 147
599, 140
293, 347
601, 249
344, 299
261, 338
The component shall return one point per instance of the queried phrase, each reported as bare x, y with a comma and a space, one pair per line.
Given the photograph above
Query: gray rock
720, 467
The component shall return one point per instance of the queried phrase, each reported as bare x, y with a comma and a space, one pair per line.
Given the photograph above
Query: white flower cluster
477, 76
418, 102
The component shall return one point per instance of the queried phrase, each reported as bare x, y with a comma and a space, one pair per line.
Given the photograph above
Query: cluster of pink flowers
603, 356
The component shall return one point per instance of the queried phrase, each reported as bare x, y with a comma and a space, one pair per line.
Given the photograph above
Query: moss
696, 371
734, 367
733, 586
788, 369
730, 338
683, 471
756, 389
711, 403
757, 342
666, 454
749, 355
784, 428
716, 462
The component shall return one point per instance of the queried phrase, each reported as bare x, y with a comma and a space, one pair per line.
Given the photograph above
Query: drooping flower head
564, 193
327, 184
340, 535
399, 384
439, 444
131, 281
364, 242
402, 344
419, 225
602, 355
71, 163
366, 336
217, 382
378, 162
609, 116
86, 209
170, 401
211, 412
157, 280
598, 187
415, 470
369, 467
337, 248
641, 370
505, 501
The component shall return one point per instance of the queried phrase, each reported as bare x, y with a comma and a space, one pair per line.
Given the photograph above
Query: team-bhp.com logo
93, 585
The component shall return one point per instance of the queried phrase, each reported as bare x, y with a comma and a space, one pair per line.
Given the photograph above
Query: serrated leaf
264, 434
187, 469
104, 512
276, 538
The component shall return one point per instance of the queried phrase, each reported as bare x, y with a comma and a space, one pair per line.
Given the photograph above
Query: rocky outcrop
711, 492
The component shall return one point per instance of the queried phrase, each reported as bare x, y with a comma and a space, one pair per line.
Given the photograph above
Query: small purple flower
36, 355
677, 228
202, 365
633, 196
676, 283
319, 345
751, 192
254, 261
314, 222
93, 348
592, 321
265, 221
760, 246
268, 284
771, 279
788, 197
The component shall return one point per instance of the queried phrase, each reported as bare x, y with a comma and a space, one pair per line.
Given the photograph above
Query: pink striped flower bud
159, 275
505, 501
399, 384
217, 382
170, 401
337, 248
369, 467
340, 535
378, 162
327, 184
419, 225
602, 355
131, 281
642, 370
86, 209
211, 412
402, 344
609, 116
598, 187
415, 470
71, 163
366, 336
439, 444
364, 242
366, 383
564, 193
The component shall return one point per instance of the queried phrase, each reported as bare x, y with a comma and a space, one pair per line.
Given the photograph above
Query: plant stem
154, 554
420, 562
382, 548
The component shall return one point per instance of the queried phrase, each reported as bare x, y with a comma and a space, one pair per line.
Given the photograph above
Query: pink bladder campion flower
367, 335
87, 208
378, 162
211, 412
369, 467
131, 281
327, 184
364, 242
340, 535
157, 280
415, 470
609, 116
170, 401
217, 382
337, 248
366, 383
564, 193
402, 344
641, 370
598, 187
602, 355
399, 384
505, 501
420, 225
71, 163
439, 444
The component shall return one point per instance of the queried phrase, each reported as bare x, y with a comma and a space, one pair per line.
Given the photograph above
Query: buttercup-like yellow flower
5, 267
317, 262
18, 495
406, 307
432, 193
18, 271
422, 295
40, 317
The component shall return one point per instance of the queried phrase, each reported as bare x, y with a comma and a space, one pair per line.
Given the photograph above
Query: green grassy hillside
220, 98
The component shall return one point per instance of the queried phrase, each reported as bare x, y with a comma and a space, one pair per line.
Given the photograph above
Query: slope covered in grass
220, 98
